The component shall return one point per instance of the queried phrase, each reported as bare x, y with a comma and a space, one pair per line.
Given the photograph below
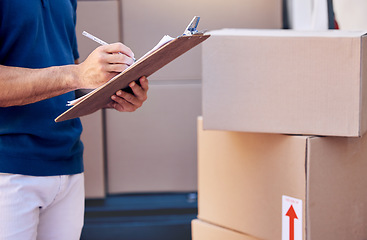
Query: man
41, 169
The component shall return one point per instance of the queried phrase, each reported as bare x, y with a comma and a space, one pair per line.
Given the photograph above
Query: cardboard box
283, 81
206, 231
249, 181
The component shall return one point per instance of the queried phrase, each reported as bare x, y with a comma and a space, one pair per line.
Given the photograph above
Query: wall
154, 148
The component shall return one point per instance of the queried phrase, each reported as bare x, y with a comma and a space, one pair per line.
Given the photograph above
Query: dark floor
140, 217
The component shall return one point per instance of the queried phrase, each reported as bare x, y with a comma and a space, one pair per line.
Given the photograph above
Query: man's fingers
117, 62
118, 48
144, 83
117, 68
119, 58
130, 98
139, 93
123, 105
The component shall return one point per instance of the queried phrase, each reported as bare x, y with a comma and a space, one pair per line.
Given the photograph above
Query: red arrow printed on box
292, 215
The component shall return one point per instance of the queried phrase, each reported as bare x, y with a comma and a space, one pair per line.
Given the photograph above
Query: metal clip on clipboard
191, 29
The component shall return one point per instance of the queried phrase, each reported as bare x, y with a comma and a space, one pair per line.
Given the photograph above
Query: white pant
42, 208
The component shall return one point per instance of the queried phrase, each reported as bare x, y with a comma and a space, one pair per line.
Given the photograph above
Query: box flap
284, 33
206, 231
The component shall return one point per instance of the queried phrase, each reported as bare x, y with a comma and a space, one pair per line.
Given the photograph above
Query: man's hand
127, 102
104, 63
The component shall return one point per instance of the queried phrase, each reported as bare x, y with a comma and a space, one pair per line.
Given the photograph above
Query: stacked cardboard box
203, 230
257, 182
282, 81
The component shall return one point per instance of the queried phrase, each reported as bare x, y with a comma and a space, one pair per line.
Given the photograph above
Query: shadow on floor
164, 216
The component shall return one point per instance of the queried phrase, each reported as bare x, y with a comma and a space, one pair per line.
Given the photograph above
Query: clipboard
146, 67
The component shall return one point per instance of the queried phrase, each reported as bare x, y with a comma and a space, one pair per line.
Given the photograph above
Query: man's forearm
20, 86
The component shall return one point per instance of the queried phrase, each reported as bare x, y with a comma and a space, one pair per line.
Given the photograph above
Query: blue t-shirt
39, 34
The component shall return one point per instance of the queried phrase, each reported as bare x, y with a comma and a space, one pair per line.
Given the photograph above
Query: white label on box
291, 218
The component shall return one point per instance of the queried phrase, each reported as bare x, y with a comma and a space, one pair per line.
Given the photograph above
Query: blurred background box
282, 81
145, 22
244, 176
350, 14
102, 18
154, 149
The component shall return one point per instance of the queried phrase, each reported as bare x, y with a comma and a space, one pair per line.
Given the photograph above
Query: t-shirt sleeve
75, 42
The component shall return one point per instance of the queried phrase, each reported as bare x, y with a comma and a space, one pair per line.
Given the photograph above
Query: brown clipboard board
147, 66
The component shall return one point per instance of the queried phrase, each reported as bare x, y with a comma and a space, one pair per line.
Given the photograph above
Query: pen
94, 38
90, 36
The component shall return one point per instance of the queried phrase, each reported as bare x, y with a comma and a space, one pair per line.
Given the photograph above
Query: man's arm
20, 86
